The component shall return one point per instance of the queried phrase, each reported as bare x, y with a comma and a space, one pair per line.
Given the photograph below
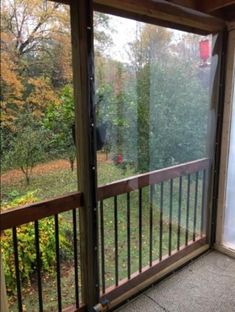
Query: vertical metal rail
179, 213
75, 254
151, 226
140, 230
170, 217
116, 240
102, 245
128, 238
161, 222
58, 277
38, 267
187, 210
195, 207
17, 270
203, 201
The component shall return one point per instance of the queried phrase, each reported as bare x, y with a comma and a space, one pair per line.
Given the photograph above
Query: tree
26, 30
27, 146
170, 103
11, 87
38, 95
36, 58
59, 119
31, 25
148, 49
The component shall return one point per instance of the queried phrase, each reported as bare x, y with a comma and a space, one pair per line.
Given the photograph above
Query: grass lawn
59, 182
63, 181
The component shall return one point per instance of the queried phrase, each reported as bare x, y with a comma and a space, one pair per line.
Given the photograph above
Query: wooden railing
175, 214
154, 177
15, 217
151, 196
30, 215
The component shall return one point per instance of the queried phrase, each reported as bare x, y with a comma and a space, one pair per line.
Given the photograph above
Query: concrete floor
205, 285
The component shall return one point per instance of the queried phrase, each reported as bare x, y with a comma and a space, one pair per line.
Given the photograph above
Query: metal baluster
17, 270
57, 245
170, 217
179, 213
203, 201
128, 238
151, 226
38, 260
161, 223
195, 208
116, 239
75, 250
187, 210
140, 230
102, 245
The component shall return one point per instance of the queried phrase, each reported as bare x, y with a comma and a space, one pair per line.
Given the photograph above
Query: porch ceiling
223, 9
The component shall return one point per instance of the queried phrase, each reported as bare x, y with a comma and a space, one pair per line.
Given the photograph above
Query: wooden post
216, 118
83, 77
228, 106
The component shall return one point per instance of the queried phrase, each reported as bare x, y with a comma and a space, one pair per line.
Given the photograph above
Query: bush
26, 246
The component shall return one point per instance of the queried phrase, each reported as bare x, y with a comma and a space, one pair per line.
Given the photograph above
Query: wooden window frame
225, 141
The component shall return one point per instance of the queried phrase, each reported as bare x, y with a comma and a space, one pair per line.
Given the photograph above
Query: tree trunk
71, 164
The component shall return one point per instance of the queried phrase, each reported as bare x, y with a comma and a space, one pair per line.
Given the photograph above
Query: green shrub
26, 247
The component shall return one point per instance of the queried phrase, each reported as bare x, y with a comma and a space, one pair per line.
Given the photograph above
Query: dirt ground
15, 175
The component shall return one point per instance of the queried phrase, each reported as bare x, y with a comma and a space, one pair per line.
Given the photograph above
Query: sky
124, 33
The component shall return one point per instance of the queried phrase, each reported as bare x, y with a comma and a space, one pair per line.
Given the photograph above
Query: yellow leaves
9, 76
41, 95
29, 28
11, 89
28, 198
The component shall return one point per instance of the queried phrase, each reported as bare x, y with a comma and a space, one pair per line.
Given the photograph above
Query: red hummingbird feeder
119, 159
204, 49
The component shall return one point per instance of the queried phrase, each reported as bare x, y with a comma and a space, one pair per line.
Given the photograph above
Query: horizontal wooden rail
149, 178
19, 216
74, 309
16, 217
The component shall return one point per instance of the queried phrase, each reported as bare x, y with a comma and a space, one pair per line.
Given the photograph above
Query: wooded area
152, 110
150, 96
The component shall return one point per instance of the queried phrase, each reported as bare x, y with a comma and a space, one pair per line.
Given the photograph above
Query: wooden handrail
18, 216
149, 178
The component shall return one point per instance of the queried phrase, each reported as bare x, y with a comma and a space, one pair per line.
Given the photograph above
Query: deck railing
165, 219
146, 223
31, 215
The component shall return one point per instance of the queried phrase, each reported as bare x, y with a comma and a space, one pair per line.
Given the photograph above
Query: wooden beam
210, 6
162, 13
83, 80
192, 4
